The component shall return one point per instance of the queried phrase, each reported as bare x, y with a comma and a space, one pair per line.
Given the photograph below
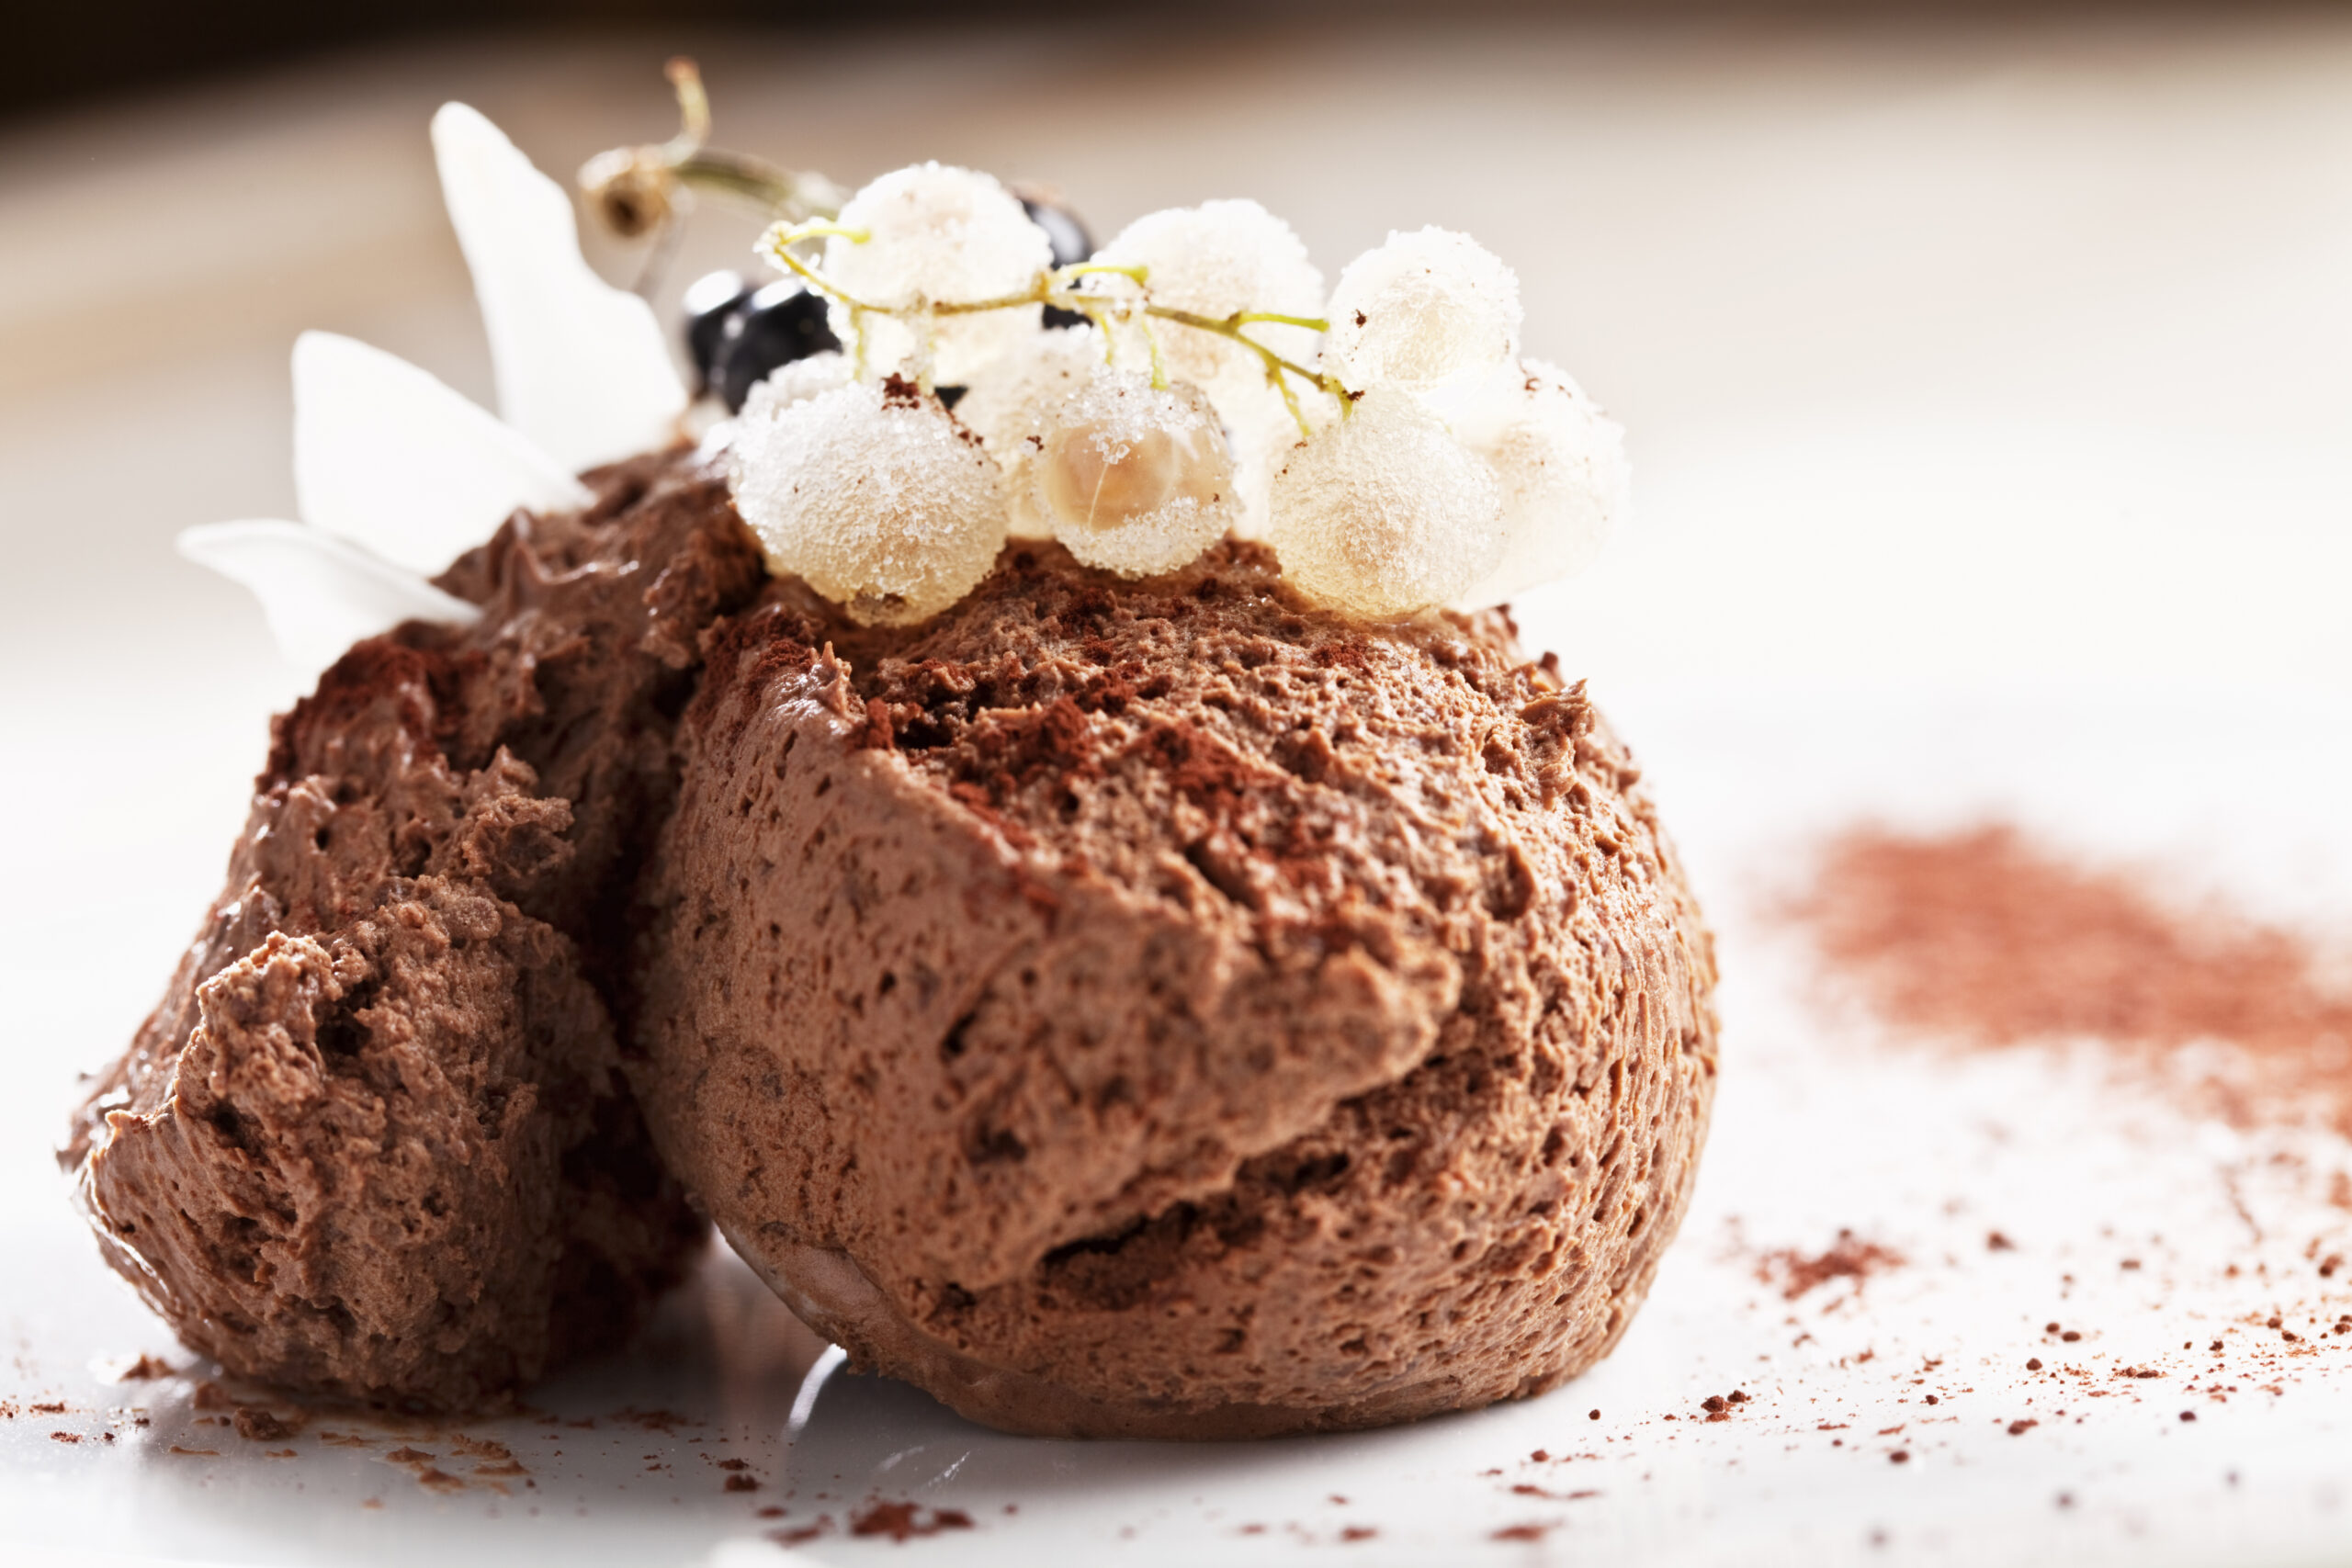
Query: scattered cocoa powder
665, 1422
1987, 938
1851, 1259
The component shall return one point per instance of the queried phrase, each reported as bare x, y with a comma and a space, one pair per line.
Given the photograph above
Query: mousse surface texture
375, 1142
1163, 1009
1124, 1009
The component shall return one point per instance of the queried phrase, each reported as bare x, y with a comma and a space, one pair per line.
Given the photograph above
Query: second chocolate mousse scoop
376, 1141
1165, 1009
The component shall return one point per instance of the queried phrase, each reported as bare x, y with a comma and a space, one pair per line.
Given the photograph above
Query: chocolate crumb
904, 1521
256, 1425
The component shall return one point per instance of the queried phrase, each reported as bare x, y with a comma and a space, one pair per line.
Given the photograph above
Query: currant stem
773, 190
693, 104
1055, 288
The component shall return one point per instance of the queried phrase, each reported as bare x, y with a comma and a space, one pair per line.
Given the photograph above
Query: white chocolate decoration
583, 368
318, 593
390, 459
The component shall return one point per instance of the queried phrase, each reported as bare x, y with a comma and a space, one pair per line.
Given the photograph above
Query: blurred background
1989, 352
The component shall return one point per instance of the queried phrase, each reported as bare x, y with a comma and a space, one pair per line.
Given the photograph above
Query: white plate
1820, 1127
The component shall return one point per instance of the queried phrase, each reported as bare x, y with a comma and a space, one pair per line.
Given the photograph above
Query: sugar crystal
875, 495
1214, 260
935, 235
1561, 463
1423, 310
1009, 403
1135, 479
1383, 513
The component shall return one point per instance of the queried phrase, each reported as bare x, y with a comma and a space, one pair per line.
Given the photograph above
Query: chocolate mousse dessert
1036, 825
376, 1141
1168, 1010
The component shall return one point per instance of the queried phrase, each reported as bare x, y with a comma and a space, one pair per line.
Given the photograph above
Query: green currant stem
1230, 327
1079, 269
694, 105
1053, 289
776, 245
756, 183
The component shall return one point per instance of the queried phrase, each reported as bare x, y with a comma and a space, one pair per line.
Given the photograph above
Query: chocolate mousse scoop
1164, 1009
375, 1142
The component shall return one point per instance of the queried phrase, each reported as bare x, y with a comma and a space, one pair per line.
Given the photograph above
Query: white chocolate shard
387, 456
583, 368
318, 593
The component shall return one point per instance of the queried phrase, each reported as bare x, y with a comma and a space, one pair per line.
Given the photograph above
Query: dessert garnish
1388, 438
1010, 801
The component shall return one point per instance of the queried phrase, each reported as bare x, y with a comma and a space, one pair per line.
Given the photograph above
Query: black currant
779, 324
1072, 244
711, 304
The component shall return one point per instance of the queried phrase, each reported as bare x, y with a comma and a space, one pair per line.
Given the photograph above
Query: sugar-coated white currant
1008, 403
935, 235
1427, 310
1135, 478
1212, 260
797, 383
1383, 513
1561, 463
1261, 432
872, 494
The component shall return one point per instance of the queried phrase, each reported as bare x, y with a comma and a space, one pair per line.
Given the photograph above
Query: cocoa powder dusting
1986, 938
1795, 1273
